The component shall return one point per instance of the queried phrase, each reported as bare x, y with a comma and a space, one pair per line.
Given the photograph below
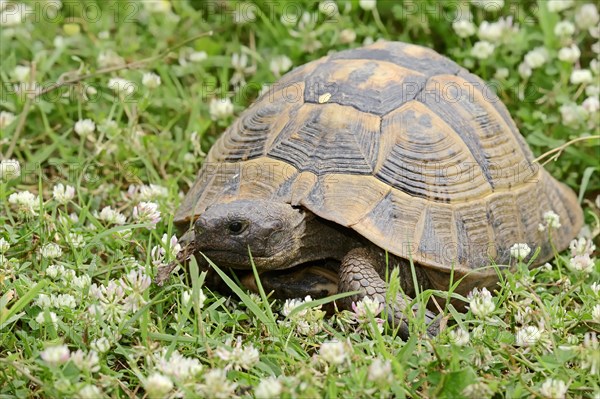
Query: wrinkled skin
282, 237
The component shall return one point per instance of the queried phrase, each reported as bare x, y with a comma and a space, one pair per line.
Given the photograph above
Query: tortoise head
272, 230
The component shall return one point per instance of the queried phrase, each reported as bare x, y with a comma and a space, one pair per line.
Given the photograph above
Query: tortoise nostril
199, 226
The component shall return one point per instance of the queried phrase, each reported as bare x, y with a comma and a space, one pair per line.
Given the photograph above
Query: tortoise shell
403, 146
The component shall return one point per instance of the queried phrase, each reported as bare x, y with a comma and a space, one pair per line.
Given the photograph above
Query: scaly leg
362, 270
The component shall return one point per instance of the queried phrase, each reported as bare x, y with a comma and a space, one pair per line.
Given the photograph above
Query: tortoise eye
237, 227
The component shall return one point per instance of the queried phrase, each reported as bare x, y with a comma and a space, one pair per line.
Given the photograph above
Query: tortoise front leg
359, 272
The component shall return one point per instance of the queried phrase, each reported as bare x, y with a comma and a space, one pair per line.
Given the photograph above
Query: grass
124, 337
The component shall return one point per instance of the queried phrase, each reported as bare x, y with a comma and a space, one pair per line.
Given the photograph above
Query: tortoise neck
323, 239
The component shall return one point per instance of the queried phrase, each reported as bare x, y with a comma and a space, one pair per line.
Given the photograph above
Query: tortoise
371, 158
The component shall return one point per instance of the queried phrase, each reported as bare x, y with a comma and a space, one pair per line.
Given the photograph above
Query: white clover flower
220, 108
159, 252
477, 390
581, 76
559, 5
55, 271
573, 115
464, 28
520, 251
495, 32
63, 301
151, 80
368, 41
25, 202
4, 245
523, 314
56, 355
109, 215
587, 16
197, 56
308, 321
101, 345
26, 89
216, 385
501, 73
238, 357
244, 13
595, 68
177, 367
158, 6
81, 282
152, 192
109, 126
135, 283
536, 57
334, 352
280, 64
186, 296
147, 212
581, 246
459, 336
59, 42
591, 353
172, 243
85, 127
75, 240
122, 87
524, 70
51, 251
347, 36
547, 266
569, 54
596, 313
480, 302
482, 50
63, 194
564, 29
380, 371
86, 362
552, 219
89, 392
239, 63
367, 5
488, 5
109, 59
291, 304
366, 308
591, 104
21, 73
6, 118
553, 389
595, 287
268, 388
14, 14
157, 385
527, 336
581, 263
43, 301
9, 169
137, 280
41, 318
328, 7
